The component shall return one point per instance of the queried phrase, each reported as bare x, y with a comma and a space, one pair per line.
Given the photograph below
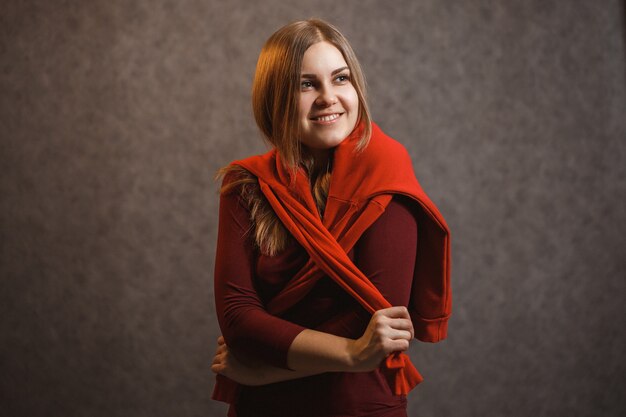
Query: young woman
320, 282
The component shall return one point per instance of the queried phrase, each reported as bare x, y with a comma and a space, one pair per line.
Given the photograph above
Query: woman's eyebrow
332, 73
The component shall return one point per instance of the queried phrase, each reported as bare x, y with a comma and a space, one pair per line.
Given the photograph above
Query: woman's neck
321, 161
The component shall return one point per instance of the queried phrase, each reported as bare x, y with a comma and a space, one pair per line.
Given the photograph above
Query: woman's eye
343, 78
306, 84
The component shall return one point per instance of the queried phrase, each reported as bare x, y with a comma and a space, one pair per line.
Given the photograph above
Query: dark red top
245, 280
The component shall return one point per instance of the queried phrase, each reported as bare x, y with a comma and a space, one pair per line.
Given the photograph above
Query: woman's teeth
327, 118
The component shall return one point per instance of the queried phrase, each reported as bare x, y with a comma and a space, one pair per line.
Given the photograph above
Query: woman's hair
270, 236
276, 86
275, 99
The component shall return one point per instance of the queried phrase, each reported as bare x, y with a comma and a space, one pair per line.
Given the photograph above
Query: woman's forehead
322, 57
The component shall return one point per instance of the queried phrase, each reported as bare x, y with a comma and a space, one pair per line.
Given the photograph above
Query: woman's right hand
389, 330
242, 371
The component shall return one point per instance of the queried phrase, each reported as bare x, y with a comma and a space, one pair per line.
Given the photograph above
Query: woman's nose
326, 97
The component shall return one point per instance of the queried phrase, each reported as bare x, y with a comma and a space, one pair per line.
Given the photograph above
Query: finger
395, 312
220, 349
218, 359
221, 341
402, 324
400, 335
400, 345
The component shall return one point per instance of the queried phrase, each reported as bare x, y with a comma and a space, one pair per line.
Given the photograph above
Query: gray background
115, 115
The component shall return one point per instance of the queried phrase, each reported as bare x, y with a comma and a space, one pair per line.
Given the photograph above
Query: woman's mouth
326, 118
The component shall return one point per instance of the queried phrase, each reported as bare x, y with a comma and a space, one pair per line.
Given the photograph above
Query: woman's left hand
225, 363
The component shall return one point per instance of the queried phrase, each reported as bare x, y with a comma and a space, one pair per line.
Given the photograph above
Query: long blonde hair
275, 94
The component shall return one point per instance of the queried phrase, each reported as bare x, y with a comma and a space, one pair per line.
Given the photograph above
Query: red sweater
385, 253
362, 186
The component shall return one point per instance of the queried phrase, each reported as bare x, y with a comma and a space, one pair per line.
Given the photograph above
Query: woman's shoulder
233, 173
257, 165
384, 148
238, 183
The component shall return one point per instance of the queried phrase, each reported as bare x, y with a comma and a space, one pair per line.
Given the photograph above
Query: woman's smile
326, 119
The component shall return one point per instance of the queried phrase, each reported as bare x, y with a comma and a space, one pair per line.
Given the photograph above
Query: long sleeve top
246, 279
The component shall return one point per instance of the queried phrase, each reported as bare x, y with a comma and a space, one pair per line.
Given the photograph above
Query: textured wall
114, 116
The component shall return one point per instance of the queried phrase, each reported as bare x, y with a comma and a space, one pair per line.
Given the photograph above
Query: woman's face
329, 104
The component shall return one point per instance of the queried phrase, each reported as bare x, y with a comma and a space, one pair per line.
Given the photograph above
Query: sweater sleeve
246, 326
386, 254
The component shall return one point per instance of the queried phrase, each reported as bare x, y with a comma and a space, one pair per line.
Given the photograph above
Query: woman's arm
246, 326
313, 352
386, 254
246, 371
